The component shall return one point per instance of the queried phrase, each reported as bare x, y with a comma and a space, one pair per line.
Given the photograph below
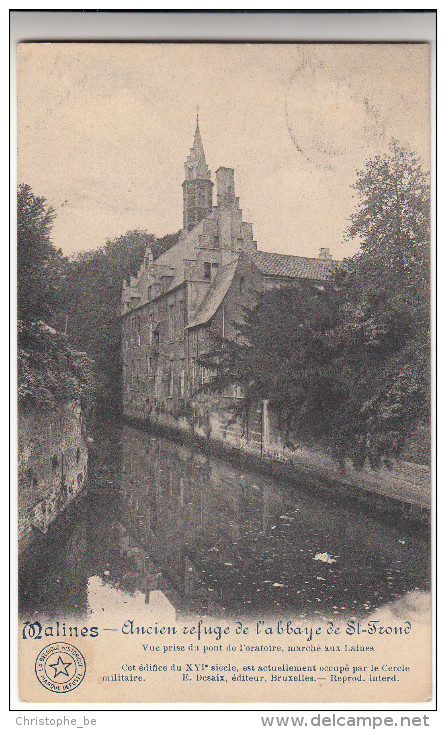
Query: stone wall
52, 467
258, 433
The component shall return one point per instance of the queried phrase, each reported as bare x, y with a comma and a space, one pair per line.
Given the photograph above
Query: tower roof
195, 165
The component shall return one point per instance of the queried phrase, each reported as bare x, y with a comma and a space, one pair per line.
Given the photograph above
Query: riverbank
408, 505
52, 467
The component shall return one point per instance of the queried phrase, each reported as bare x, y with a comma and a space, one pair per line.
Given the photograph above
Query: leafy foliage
81, 296
392, 226
283, 342
41, 268
348, 363
92, 296
49, 372
388, 295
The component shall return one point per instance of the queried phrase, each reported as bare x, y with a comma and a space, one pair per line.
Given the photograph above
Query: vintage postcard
224, 485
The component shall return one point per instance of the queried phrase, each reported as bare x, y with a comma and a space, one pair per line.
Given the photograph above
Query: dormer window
166, 282
210, 270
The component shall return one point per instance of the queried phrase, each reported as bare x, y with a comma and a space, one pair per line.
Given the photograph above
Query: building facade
199, 288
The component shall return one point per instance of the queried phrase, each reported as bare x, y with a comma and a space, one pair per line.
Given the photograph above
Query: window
204, 375
241, 285
171, 378
210, 269
180, 318
182, 378
216, 241
171, 322
194, 371
137, 325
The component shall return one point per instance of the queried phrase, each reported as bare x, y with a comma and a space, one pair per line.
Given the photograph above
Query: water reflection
244, 544
170, 528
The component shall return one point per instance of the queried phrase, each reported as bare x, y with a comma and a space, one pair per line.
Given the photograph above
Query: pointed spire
198, 146
197, 185
196, 167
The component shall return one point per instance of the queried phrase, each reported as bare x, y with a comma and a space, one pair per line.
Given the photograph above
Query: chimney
148, 257
225, 186
325, 255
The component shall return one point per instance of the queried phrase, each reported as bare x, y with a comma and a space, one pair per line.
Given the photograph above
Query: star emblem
60, 667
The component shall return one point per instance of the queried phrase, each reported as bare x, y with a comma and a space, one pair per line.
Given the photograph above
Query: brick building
196, 289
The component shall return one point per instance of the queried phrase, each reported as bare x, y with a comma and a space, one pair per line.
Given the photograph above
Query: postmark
60, 667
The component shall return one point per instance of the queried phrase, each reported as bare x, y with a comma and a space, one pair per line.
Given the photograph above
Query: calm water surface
161, 519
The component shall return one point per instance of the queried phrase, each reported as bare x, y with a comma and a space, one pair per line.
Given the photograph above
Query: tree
40, 267
388, 293
92, 300
392, 225
347, 364
288, 353
49, 372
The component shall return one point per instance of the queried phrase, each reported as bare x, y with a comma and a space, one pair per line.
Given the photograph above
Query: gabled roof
294, 267
215, 295
175, 256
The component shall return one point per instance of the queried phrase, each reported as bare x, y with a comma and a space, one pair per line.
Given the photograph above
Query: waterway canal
214, 538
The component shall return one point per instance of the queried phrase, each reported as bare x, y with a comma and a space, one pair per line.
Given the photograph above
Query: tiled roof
215, 295
295, 267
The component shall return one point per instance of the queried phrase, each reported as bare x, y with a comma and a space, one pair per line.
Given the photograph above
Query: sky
104, 130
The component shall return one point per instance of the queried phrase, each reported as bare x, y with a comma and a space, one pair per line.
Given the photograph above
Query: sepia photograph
224, 372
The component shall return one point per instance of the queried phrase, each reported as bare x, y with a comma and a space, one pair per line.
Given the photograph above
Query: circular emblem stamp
60, 667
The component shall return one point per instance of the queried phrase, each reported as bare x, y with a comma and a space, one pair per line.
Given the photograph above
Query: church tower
197, 186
